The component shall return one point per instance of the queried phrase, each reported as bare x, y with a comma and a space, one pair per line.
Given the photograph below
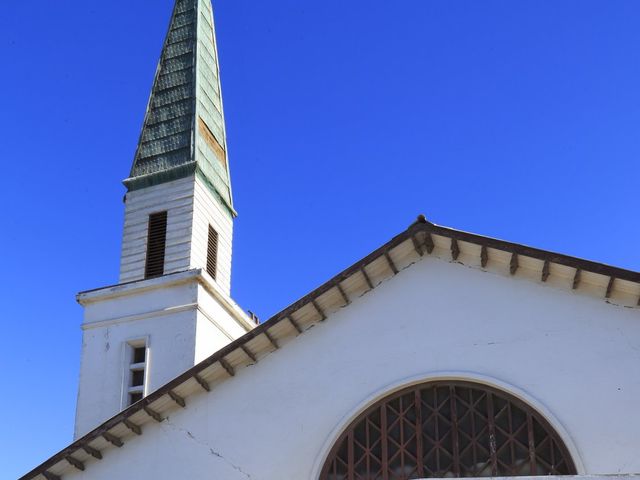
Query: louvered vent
156, 242
212, 252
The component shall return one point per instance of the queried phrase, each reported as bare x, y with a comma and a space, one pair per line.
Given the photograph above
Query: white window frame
129, 367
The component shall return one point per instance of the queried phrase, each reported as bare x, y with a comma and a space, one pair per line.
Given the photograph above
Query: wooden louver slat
212, 252
156, 243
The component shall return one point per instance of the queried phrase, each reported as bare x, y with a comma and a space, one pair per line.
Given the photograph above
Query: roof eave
312, 308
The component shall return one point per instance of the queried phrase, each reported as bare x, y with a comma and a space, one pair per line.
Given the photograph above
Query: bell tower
172, 305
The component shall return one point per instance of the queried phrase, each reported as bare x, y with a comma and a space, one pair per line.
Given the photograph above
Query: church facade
441, 354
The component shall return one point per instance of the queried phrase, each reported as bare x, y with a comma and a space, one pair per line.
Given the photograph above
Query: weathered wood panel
207, 210
177, 199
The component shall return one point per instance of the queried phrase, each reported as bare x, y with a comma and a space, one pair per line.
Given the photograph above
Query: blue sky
346, 120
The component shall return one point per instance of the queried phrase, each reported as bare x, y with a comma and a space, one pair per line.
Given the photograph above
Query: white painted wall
573, 357
207, 210
215, 327
182, 321
166, 317
191, 208
177, 199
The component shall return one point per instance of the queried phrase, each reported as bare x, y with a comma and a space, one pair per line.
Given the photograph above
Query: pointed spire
184, 128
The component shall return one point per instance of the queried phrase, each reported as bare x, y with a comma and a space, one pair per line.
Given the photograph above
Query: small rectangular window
134, 397
156, 243
137, 378
136, 370
139, 354
212, 252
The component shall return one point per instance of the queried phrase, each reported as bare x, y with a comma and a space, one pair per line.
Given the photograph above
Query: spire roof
184, 128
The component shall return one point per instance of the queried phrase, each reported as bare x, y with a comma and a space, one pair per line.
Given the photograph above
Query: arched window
447, 429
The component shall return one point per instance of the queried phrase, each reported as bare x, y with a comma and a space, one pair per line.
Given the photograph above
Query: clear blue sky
346, 119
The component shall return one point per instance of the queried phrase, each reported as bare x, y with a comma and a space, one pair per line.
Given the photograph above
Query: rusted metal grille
448, 429
212, 252
156, 242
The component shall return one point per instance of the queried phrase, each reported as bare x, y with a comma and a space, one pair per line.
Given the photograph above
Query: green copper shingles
184, 131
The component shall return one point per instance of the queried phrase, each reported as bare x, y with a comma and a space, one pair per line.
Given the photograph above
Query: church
440, 354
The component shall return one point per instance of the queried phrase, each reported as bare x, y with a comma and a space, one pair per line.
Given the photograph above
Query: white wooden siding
207, 210
191, 208
177, 199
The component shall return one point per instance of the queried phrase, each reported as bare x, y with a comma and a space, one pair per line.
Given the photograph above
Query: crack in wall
212, 452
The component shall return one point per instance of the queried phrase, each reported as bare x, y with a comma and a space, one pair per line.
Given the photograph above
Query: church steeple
181, 165
184, 127
172, 307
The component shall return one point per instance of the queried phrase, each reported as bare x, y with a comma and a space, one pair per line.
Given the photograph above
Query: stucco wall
109, 325
181, 322
215, 327
573, 357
